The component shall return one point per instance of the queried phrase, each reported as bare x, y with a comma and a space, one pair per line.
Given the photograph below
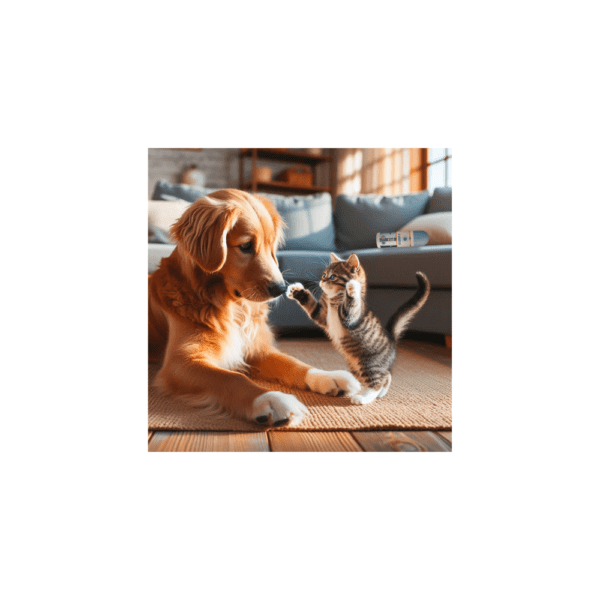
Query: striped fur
342, 312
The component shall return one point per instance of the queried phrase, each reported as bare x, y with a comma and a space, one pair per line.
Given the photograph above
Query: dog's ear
202, 232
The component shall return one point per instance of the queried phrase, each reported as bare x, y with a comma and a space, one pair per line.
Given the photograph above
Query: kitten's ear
353, 262
335, 258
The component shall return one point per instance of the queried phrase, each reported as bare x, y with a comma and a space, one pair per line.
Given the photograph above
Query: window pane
436, 154
449, 163
436, 175
406, 162
358, 160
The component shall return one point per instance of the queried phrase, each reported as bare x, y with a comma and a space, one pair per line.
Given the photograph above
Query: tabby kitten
355, 331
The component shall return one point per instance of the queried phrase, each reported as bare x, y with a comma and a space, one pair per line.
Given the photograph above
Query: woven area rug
420, 397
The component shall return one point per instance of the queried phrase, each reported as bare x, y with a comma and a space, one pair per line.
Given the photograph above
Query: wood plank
286, 156
312, 441
208, 441
281, 186
447, 435
401, 441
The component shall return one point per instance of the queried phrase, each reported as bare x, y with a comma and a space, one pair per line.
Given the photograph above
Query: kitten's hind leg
385, 387
370, 394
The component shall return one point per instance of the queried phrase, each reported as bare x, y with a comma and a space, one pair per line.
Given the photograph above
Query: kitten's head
339, 272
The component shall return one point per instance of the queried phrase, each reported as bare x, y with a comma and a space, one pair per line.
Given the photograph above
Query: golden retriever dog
207, 314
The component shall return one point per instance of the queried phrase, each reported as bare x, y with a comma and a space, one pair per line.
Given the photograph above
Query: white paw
365, 397
353, 288
332, 383
293, 287
278, 409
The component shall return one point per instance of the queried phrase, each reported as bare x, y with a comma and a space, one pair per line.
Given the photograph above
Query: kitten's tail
404, 315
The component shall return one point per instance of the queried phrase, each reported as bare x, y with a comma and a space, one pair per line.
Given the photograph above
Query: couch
317, 227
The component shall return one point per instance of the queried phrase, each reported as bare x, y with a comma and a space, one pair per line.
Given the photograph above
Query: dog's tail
404, 315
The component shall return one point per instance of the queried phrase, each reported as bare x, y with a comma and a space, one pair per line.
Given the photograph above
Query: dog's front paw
278, 409
353, 288
332, 383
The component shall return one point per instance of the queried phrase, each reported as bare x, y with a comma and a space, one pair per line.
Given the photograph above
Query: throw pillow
441, 200
167, 191
437, 225
161, 215
359, 218
309, 221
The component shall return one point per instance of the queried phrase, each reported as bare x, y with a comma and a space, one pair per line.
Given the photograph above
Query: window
374, 171
392, 171
349, 171
386, 171
439, 168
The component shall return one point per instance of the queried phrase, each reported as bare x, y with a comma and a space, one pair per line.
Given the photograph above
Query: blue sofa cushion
359, 218
163, 190
309, 220
441, 200
385, 267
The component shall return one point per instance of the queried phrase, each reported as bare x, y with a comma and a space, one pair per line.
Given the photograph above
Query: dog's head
236, 235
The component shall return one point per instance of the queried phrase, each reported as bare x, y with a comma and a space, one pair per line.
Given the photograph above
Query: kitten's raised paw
353, 288
294, 289
332, 383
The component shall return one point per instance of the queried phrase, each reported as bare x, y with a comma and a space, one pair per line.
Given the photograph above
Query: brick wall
220, 166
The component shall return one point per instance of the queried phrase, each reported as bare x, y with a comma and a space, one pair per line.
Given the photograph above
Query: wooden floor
313, 441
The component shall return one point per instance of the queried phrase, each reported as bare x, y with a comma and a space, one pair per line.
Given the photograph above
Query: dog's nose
276, 289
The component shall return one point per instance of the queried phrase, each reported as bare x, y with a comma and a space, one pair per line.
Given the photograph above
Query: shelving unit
285, 156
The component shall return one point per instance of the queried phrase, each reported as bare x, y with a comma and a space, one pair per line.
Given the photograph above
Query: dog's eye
246, 248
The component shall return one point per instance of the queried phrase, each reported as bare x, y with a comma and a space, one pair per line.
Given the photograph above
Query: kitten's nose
276, 289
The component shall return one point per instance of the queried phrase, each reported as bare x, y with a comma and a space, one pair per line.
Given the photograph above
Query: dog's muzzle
276, 289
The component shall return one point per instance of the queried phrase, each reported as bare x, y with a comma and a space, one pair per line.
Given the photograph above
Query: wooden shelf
280, 186
310, 161
286, 156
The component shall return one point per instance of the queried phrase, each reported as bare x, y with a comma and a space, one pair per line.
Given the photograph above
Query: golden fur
207, 313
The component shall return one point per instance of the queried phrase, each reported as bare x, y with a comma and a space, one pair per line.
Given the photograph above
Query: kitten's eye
332, 278
246, 248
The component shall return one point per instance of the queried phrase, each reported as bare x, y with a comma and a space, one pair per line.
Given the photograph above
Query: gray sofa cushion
396, 267
163, 190
385, 267
303, 265
359, 218
441, 200
309, 220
